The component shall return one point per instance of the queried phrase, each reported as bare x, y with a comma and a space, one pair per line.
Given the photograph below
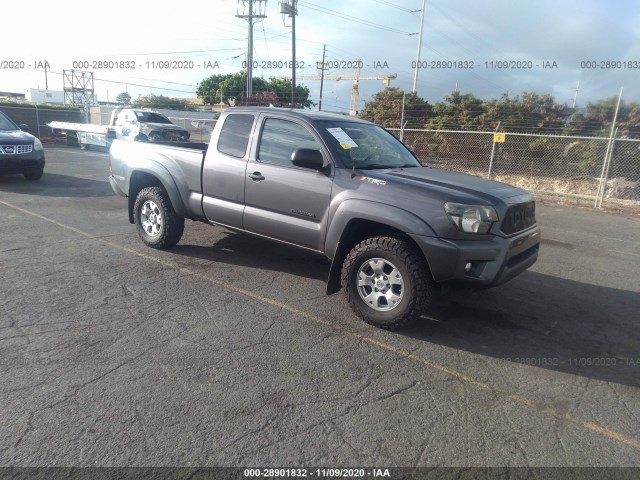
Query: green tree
208, 89
531, 112
598, 117
385, 109
231, 89
124, 98
504, 110
457, 111
282, 88
161, 101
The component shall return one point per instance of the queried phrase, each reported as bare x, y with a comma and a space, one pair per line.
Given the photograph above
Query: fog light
468, 267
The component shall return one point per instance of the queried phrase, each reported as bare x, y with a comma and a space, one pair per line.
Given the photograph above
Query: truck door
284, 201
224, 170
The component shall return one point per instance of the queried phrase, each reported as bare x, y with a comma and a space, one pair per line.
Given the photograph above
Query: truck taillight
110, 170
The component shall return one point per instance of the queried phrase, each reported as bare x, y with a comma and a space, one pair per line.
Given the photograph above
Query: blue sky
562, 33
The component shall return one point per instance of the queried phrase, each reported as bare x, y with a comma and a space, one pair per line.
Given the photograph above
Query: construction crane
353, 108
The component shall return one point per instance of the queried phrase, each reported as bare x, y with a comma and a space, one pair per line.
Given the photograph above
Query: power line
463, 28
124, 83
172, 53
351, 18
389, 4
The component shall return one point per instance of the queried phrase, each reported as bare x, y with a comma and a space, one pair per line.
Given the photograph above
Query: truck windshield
365, 145
151, 117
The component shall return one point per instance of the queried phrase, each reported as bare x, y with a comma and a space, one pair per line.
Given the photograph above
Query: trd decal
375, 181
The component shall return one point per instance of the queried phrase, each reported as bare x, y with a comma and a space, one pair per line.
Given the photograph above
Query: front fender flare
337, 244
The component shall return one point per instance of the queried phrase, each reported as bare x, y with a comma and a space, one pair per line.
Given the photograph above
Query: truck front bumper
480, 262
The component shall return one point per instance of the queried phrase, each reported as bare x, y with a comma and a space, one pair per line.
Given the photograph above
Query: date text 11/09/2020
486, 65
316, 472
577, 361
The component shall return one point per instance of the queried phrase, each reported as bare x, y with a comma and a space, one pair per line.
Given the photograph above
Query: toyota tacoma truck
394, 230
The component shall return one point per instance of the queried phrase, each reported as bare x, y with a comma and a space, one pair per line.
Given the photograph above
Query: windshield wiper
381, 166
375, 166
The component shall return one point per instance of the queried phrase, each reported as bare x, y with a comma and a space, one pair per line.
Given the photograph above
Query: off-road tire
36, 175
171, 226
417, 289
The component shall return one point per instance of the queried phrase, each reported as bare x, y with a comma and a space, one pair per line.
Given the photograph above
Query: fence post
38, 121
402, 117
602, 186
493, 151
607, 167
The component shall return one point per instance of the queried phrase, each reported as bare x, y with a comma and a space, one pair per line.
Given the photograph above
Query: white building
38, 95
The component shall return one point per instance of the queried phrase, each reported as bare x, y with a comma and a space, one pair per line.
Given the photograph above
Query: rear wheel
387, 282
157, 223
37, 175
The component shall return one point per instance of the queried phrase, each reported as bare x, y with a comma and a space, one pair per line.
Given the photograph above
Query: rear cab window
235, 134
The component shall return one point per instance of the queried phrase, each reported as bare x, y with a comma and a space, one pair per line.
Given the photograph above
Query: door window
280, 138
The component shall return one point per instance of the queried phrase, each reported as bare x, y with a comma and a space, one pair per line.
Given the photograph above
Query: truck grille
15, 149
518, 218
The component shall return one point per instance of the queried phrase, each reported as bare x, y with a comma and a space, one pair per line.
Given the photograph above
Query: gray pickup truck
394, 230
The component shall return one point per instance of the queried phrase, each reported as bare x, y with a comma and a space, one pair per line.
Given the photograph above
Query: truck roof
297, 112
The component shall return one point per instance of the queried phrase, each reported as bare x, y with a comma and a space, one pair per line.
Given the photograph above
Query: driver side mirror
308, 158
24, 127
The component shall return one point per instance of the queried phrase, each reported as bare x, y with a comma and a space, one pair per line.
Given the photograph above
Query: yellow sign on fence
499, 137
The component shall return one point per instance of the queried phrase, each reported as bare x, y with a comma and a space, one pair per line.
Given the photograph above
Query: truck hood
461, 186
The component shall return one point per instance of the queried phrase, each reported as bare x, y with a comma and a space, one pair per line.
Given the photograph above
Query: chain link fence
595, 170
36, 118
588, 169
200, 129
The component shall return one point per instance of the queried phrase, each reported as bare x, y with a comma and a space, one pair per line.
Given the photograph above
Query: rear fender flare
144, 176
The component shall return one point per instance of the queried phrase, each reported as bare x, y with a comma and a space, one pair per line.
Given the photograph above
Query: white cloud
566, 32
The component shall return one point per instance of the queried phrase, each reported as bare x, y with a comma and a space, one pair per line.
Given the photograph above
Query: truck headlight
471, 218
37, 144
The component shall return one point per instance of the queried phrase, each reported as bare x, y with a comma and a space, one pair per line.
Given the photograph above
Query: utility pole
355, 90
324, 48
250, 18
576, 95
290, 8
415, 74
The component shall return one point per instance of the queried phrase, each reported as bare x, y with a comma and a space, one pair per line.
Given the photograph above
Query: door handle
255, 176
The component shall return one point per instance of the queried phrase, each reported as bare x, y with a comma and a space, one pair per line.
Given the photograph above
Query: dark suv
20, 152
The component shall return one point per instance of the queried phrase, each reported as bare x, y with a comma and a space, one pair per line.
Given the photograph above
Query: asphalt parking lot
225, 350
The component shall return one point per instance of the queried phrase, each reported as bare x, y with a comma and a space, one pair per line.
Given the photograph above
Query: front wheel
387, 282
157, 223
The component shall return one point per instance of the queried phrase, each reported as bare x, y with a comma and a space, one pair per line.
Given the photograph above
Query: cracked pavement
224, 351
